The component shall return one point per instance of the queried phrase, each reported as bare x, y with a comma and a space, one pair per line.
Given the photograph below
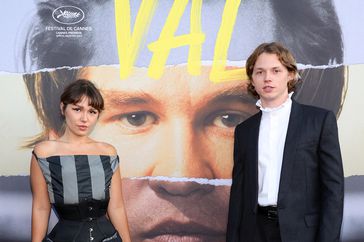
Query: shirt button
90, 208
90, 219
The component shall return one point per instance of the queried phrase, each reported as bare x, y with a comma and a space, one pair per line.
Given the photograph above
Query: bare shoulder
106, 148
45, 148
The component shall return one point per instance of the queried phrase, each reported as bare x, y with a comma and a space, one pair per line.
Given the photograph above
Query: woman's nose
84, 116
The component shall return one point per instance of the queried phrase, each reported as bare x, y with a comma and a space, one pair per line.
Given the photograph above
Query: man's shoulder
313, 109
252, 120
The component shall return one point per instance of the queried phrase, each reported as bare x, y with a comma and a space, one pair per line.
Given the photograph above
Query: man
288, 180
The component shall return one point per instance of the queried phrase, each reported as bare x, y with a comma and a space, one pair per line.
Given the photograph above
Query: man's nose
267, 77
175, 188
184, 153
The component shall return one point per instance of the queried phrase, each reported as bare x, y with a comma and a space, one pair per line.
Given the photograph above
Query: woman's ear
62, 106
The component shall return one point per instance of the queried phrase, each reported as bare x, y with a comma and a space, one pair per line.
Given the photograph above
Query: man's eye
137, 119
228, 120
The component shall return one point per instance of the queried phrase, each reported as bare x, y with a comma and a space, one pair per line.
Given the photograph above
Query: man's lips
268, 88
181, 232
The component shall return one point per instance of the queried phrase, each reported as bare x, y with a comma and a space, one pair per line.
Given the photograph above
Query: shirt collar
287, 102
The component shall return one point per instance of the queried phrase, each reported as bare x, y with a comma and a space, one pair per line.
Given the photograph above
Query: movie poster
173, 79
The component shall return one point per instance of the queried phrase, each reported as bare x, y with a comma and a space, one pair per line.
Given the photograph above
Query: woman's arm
116, 209
41, 206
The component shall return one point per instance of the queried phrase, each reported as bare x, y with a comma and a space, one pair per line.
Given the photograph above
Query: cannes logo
68, 15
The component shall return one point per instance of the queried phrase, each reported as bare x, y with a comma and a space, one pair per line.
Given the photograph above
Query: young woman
78, 176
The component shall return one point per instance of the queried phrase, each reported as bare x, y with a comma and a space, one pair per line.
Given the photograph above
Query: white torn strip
203, 63
204, 181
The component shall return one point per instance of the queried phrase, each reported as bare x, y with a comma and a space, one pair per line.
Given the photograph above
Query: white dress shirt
272, 137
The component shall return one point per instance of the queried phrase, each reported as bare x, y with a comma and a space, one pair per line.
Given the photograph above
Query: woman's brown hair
79, 89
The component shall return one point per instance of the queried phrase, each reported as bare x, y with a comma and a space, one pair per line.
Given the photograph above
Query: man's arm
332, 181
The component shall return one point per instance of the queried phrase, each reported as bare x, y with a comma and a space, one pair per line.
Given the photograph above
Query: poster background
18, 120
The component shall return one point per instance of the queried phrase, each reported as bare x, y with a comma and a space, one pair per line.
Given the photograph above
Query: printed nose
180, 187
183, 154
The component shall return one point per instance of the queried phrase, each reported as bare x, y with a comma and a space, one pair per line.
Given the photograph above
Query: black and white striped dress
78, 188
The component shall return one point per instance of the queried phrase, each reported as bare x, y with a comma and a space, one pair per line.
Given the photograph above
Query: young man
288, 182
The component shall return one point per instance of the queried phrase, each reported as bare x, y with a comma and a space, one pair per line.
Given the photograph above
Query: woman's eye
77, 109
137, 119
228, 120
93, 111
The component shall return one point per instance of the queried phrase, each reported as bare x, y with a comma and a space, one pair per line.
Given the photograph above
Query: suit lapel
293, 130
253, 159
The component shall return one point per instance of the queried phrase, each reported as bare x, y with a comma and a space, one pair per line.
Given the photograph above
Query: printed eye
137, 119
228, 119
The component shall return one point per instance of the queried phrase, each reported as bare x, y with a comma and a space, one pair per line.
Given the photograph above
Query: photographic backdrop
173, 78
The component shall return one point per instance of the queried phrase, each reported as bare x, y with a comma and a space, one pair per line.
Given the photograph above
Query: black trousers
267, 228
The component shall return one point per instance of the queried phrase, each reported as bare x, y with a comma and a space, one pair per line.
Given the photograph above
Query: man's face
270, 79
178, 126
169, 130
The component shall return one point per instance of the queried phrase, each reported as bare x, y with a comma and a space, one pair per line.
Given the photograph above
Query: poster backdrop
172, 75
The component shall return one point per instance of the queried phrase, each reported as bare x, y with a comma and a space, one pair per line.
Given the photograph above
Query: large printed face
179, 126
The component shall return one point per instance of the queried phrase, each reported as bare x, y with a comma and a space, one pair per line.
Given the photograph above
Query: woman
79, 176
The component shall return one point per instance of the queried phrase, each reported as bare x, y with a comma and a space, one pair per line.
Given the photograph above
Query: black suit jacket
311, 189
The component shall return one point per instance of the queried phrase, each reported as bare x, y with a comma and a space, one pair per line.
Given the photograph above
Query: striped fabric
75, 178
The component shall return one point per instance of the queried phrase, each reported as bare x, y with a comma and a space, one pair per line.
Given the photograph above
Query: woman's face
80, 118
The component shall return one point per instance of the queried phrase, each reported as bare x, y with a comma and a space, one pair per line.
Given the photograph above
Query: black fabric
56, 169
83, 176
79, 223
267, 229
269, 212
83, 211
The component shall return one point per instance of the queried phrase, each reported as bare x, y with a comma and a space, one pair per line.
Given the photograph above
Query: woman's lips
182, 232
82, 127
